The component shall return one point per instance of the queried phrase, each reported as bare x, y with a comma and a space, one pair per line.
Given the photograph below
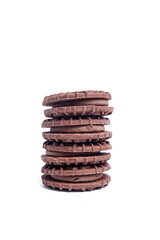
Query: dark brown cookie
80, 95
80, 186
75, 121
68, 160
75, 170
77, 137
68, 147
78, 111
78, 129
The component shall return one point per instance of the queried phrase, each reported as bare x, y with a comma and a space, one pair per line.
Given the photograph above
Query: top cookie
69, 96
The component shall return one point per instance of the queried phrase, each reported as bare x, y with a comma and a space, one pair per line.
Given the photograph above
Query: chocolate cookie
80, 186
68, 160
78, 147
78, 111
75, 170
76, 137
70, 96
75, 121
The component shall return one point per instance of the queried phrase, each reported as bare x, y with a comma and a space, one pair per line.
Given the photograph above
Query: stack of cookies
75, 145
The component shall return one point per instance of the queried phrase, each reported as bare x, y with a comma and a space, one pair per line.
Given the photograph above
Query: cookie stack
75, 145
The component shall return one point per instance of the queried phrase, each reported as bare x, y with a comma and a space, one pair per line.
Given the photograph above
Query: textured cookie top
75, 170
77, 137
76, 160
61, 97
77, 147
78, 111
75, 121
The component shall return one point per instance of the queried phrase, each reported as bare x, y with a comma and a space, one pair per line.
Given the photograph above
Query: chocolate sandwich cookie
80, 186
78, 111
77, 137
75, 160
52, 170
77, 147
74, 96
62, 122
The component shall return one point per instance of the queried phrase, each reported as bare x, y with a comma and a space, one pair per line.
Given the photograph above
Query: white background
48, 47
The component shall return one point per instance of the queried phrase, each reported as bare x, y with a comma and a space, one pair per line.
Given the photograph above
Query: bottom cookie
80, 186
